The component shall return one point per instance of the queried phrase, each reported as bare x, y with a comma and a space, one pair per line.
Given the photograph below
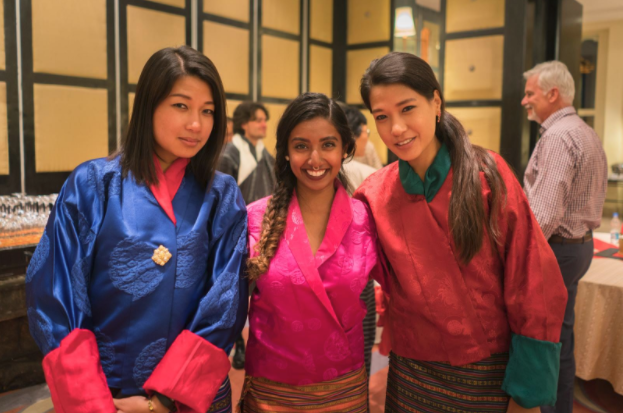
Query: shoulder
223, 184
377, 181
101, 176
230, 153
255, 212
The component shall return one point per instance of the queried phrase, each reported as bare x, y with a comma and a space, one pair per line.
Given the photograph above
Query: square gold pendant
161, 255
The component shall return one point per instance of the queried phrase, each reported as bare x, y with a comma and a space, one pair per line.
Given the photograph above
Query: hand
513, 407
134, 404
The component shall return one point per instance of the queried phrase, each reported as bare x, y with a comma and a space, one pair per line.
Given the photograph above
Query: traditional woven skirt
222, 400
419, 386
348, 393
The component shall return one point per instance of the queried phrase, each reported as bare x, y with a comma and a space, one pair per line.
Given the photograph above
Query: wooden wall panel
473, 68
69, 37
282, 15
231, 106
321, 70
2, 49
228, 47
368, 21
275, 110
232, 9
321, 20
481, 124
4, 132
464, 15
280, 67
357, 61
176, 3
148, 32
375, 138
71, 126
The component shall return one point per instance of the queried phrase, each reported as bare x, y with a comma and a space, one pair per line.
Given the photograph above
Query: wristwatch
167, 402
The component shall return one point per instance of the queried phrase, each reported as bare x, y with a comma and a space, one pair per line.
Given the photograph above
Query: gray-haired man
565, 183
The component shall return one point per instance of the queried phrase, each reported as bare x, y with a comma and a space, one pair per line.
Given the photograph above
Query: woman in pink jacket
312, 250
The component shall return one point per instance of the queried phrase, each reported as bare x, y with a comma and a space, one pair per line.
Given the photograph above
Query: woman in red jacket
477, 298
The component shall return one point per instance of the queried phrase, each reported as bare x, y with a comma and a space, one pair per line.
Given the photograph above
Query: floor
595, 396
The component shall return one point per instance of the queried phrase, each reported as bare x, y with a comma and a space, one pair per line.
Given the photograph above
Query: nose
193, 124
524, 101
398, 128
314, 159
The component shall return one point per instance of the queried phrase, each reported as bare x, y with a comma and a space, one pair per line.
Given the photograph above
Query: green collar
433, 179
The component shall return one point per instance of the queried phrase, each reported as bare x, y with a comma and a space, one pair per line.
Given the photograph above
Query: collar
168, 183
556, 116
433, 179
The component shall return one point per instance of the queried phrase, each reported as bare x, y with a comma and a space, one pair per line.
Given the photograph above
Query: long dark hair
306, 107
466, 214
159, 75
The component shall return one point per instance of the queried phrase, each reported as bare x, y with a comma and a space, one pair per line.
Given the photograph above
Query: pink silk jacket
306, 315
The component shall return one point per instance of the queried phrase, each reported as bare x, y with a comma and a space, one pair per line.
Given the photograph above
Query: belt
557, 239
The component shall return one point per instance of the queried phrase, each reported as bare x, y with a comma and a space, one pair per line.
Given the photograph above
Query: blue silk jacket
93, 270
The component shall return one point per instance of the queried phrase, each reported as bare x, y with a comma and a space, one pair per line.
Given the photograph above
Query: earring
438, 117
345, 156
287, 158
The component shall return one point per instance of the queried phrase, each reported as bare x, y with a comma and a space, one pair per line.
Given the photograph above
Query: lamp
404, 26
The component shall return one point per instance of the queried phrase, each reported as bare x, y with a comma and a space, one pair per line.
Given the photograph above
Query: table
599, 321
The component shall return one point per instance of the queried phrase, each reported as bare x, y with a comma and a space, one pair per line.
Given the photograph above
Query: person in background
137, 288
357, 172
476, 298
252, 166
312, 250
365, 152
230, 130
565, 183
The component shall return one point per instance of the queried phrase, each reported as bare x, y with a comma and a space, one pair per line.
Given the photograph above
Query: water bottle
615, 229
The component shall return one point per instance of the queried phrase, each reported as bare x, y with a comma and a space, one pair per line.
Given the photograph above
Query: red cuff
75, 377
191, 372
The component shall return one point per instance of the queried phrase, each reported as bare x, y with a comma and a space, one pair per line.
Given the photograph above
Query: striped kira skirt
419, 386
348, 393
222, 400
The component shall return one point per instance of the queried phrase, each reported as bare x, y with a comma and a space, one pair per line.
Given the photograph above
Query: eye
180, 105
208, 112
408, 108
381, 117
329, 145
300, 146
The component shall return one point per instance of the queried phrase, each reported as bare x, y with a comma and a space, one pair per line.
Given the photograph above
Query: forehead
389, 95
314, 129
259, 114
532, 82
191, 86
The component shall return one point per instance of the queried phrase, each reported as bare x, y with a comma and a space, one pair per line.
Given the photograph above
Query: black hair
159, 75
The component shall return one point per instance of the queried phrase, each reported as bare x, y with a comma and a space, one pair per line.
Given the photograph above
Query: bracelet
151, 406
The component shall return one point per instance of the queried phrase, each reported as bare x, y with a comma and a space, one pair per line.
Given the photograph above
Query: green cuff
532, 373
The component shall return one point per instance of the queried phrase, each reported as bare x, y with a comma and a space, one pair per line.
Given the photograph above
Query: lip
316, 178
409, 143
189, 142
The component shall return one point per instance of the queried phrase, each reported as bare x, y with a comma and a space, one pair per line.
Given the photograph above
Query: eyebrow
328, 138
181, 95
402, 102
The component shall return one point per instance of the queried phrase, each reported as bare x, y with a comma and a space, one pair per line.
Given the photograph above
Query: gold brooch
161, 255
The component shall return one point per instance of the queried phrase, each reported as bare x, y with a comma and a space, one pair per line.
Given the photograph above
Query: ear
553, 95
437, 101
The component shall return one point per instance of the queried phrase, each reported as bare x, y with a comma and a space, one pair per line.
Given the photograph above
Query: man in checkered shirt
565, 183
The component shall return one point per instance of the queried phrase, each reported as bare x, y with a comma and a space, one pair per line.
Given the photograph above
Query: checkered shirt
567, 176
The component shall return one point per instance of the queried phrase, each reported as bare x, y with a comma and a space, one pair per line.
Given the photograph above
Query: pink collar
172, 178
